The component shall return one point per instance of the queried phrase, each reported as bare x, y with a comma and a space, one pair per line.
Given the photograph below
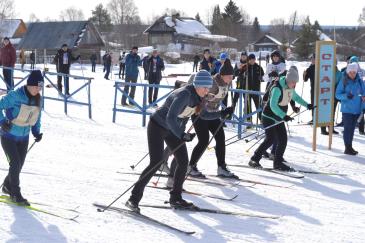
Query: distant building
184, 35
14, 29
265, 43
47, 37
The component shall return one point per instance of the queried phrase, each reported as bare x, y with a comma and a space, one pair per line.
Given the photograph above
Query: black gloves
273, 74
6, 125
350, 96
38, 137
296, 109
227, 112
288, 118
310, 107
188, 137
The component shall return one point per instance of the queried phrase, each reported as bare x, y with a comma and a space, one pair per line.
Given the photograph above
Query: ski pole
167, 81
287, 125
31, 146
301, 95
248, 150
143, 176
134, 166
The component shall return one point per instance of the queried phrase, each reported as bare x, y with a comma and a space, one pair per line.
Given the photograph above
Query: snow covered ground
77, 161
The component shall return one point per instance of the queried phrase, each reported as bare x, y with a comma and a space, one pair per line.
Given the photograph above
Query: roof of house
52, 35
8, 27
267, 40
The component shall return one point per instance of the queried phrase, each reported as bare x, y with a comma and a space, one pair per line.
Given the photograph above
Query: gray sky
326, 12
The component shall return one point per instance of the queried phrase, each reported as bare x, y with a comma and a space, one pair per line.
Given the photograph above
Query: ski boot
194, 172
283, 167
19, 199
254, 164
179, 203
223, 171
132, 206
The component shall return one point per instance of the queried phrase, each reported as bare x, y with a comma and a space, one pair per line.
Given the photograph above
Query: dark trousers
126, 89
349, 124
195, 67
16, 153
121, 69
156, 136
32, 65
107, 69
276, 134
93, 65
8, 78
255, 98
66, 80
202, 129
153, 92
145, 74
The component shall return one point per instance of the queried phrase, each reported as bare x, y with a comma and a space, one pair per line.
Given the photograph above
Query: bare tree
6, 9
362, 18
72, 14
123, 12
173, 11
33, 18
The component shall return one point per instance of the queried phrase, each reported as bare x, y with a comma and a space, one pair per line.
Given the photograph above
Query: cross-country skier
275, 112
167, 124
23, 114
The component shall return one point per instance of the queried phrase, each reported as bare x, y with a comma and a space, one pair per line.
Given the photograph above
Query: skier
351, 92
196, 61
155, 66
122, 65
167, 124
23, 109
63, 59
210, 121
132, 61
275, 113
208, 62
8, 59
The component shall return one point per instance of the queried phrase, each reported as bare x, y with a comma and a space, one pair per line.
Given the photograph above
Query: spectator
93, 59
196, 61
122, 65
155, 67
8, 59
32, 59
107, 64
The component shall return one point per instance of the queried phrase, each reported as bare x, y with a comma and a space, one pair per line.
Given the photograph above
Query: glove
350, 96
38, 137
6, 125
296, 109
288, 118
188, 137
227, 112
310, 107
273, 74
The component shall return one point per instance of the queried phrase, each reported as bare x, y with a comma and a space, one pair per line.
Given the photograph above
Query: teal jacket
280, 96
11, 104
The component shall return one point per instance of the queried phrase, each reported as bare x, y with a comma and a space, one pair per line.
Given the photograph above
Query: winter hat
135, 48
203, 79
64, 45
251, 56
354, 59
352, 67
6, 38
292, 74
223, 56
35, 78
243, 53
226, 68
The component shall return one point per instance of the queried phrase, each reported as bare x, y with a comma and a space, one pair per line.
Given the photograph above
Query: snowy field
77, 161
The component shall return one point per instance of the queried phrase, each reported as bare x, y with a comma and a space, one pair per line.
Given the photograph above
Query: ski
189, 178
44, 204
294, 174
198, 194
142, 217
36, 209
254, 182
213, 211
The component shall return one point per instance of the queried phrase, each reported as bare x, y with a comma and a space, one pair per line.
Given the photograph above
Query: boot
194, 172
283, 167
132, 206
350, 151
19, 199
5, 189
223, 171
254, 164
179, 203
323, 131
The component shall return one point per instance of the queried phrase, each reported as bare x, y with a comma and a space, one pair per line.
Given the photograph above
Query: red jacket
8, 56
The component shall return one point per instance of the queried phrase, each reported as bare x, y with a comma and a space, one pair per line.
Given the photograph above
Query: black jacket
310, 74
253, 74
60, 61
160, 66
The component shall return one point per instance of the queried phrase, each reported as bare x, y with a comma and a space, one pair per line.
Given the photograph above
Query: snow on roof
322, 36
274, 40
8, 27
194, 28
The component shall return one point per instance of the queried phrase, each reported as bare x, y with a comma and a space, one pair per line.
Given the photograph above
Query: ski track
77, 160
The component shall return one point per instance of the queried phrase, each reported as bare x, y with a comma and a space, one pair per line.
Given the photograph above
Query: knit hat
352, 67
223, 56
64, 45
226, 68
203, 79
243, 53
35, 78
6, 38
292, 74
354, 59
251, 56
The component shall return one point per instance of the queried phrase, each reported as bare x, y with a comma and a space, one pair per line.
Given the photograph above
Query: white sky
326, 12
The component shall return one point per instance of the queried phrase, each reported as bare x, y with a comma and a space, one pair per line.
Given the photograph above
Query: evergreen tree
101, 18
256, 29
197, 17
306, 40
232, 12
216, 20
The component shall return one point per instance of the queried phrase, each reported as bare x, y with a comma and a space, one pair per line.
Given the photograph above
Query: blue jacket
356, 88
11, 103
132, 62
217, 67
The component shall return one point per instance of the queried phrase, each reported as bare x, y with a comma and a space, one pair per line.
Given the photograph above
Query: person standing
155, 67
22, 58
145, 66
196, 62
122, 65
63, 59
239, 71
93, 59
132, 62
273, 117
8, 59
351, 92
208, 62
32, 59
167, 124
107, 64
23, 115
